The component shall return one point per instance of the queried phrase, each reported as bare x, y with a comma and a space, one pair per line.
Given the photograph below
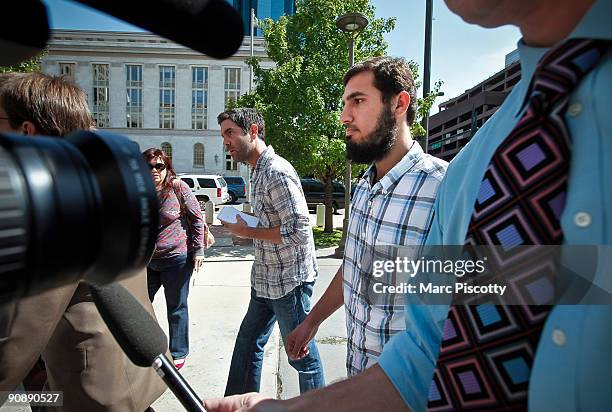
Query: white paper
229, 213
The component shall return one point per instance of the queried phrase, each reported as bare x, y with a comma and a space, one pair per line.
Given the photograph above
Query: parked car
314, 191
236, 187
207, 187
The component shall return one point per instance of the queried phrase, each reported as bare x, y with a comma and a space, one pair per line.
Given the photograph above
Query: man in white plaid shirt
285, 266
392, 205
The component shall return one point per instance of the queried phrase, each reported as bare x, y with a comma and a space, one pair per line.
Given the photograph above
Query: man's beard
241, 153
377, 144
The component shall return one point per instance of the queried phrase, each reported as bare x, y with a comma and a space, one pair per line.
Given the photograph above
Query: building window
199, 98
167, 96
167, 149
232, 85
230, 164
67, 69
100, 109
133, 85
198, 155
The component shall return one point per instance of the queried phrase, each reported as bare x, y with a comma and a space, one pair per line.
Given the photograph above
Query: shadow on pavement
229, 253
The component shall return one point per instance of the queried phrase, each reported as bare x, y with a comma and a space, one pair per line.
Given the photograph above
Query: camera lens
82, 207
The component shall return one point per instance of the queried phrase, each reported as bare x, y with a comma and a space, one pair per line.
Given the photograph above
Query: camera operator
62, 325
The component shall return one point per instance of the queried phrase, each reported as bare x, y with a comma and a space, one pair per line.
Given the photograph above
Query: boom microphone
212, 27
141, 338
20, 41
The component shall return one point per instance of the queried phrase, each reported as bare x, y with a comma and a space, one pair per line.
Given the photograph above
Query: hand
249, 402
296, 345
198, 261
240, 228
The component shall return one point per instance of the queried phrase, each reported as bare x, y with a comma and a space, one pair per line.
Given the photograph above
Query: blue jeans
290, 311
173, 274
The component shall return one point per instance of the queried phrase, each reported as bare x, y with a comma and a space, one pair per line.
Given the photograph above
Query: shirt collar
594, 25
410, 159
263, 161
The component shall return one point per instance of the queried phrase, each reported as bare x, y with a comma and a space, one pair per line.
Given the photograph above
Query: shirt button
558, 337
574, 109
582, 219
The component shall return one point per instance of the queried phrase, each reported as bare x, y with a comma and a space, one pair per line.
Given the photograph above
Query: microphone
20, 41
141, 338
212, 27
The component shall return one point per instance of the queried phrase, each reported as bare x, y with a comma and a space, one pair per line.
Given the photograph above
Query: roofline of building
143, 33
467, 91
137, 42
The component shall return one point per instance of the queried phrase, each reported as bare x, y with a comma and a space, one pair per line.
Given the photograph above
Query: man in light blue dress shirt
572, 369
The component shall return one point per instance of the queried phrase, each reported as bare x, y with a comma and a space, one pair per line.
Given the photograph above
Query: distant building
512, 57
264, 9
156, 92
459, 118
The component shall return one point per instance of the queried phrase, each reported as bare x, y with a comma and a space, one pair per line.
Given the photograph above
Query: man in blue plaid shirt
285, 266
392, 205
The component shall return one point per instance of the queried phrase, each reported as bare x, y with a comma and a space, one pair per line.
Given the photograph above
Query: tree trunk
329, 212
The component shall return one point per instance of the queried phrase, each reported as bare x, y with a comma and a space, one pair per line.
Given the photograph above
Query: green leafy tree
301, 98
28, 66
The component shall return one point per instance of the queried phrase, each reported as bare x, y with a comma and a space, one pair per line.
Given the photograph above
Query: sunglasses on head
157, 166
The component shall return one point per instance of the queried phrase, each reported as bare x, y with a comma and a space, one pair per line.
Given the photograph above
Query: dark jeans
290, 311
173, 274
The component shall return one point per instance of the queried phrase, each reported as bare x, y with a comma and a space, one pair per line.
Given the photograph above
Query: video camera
82, 207
85, 207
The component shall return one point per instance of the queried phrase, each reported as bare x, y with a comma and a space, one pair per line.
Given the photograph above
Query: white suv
207, 187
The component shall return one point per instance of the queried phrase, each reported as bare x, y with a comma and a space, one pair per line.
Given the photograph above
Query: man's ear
253, 131
403, 103
28, 129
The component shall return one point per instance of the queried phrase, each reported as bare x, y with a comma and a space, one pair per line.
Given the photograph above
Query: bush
322, 239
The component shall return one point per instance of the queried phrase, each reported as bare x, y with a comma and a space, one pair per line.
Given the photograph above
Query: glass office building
264, 9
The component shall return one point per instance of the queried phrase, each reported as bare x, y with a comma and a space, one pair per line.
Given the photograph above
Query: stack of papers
228, 214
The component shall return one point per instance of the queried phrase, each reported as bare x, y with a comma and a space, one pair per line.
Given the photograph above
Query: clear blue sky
462, 54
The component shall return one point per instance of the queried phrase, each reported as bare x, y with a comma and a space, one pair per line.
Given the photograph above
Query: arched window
198, 155
167, 148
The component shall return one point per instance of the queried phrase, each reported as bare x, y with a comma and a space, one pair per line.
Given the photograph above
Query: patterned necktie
487, 350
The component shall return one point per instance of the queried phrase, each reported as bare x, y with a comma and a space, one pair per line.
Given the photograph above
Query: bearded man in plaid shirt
285, 266
392, 205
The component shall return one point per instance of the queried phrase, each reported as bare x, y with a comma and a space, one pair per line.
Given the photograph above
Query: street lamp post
351, 24
247, 207
253, 25
427, 67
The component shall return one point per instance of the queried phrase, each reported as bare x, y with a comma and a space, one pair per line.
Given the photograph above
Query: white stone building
156, 92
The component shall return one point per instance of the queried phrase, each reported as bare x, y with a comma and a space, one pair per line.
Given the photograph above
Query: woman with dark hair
179, 249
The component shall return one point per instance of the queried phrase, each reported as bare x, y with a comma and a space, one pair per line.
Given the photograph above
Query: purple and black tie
487, 350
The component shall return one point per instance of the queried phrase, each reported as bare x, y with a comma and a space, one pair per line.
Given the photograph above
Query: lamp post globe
351, 22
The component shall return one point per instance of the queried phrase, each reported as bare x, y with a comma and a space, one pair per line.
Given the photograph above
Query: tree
31, 65
301, 98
